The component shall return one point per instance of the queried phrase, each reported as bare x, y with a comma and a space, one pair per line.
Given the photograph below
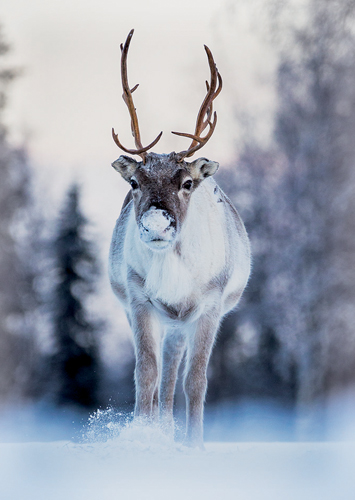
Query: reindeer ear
202, 168
126, 166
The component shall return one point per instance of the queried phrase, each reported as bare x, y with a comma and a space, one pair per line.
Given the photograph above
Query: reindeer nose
156, 221
157, 228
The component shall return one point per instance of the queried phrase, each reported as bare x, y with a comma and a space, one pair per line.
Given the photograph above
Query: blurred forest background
291, 342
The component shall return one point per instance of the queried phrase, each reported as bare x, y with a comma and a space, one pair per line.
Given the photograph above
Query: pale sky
69, 96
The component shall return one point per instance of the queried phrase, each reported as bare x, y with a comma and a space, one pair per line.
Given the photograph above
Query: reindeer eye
134, 184
187, 185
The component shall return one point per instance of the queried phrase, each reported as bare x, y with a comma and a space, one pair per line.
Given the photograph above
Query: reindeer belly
177, 313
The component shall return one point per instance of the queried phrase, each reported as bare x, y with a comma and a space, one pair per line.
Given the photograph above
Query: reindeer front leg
146, 331
173, 350
200, 343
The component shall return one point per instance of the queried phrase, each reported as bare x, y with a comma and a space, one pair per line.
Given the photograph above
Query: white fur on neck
168, 279
203, 233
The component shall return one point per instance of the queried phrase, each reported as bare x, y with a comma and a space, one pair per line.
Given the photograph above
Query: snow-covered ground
139, 462
62, 470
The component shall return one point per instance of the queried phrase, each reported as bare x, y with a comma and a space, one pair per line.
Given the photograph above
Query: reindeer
179, 261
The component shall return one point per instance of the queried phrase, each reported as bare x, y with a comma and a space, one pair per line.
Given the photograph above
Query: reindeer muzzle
157, 229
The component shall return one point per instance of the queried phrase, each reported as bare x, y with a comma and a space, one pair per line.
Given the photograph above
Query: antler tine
127, 94
198, 141
205, 112
127, 97
135, 151
207, 102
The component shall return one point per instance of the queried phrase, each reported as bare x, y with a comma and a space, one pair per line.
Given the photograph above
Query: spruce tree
75, 363
17, 297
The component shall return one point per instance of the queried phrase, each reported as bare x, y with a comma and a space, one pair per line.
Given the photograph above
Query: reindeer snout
156, 221
157, 228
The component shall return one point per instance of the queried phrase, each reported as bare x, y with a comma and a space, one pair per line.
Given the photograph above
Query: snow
225, 470
139, 462
155, 220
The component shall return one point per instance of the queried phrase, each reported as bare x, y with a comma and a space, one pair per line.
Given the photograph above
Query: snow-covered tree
314, 272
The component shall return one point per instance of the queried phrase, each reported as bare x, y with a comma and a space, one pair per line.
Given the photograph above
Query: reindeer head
161, 190
162, 184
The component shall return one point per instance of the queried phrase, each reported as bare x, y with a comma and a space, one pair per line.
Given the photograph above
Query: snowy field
63, 470
140, 463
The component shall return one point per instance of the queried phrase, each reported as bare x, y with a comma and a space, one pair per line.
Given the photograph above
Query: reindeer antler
127, 97
205, 113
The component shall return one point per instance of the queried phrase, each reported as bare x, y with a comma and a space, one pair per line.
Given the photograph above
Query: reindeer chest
176, 287
171, 280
